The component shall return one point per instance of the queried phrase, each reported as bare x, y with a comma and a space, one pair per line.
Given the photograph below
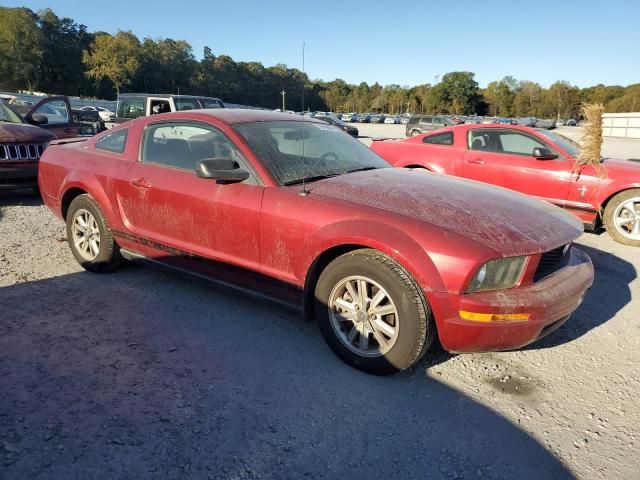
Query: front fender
380, 236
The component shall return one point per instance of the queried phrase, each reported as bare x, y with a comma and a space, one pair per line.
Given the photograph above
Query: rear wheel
415, 132
371, 312
89, 236
622, 217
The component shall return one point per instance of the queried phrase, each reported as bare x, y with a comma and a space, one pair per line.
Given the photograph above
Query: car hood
21, 132
506, 221
619, 169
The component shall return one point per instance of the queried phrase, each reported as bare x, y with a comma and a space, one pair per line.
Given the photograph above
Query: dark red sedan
290, 207
536, 162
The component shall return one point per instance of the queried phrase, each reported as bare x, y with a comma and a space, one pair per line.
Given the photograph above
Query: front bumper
18, 175
549, 303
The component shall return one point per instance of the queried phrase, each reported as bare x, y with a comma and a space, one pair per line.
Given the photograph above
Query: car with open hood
384, 259
536, 162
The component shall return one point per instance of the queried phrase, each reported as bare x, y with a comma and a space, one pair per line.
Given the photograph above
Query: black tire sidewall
413, 320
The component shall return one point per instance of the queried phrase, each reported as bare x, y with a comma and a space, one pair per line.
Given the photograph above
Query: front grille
552, 261
22, 151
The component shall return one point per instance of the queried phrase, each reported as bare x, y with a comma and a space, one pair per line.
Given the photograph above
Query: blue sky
406, 43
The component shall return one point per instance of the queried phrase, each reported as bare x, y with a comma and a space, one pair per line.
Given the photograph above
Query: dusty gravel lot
145, 373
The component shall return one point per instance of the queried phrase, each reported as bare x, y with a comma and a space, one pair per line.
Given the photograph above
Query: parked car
384, 259
376, 118
134, 105
56, 115
350, 117
404, 119
333, 120
571, 123
526, 121
392, 119
21, 146
425, 123
104, 113
547, 123
535, 162
364, 118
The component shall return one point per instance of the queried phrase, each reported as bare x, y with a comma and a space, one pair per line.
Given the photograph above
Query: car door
59, 118
185, 220
504, 157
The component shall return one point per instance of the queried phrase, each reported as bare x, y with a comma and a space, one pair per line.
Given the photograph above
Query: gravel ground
145, 373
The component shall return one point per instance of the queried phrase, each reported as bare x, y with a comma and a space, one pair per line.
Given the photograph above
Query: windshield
8, 115
568, 145
292, 151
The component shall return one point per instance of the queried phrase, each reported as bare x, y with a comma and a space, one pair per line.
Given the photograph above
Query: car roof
234, 115
165, 95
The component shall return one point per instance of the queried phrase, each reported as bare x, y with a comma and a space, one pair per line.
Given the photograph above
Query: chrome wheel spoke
377, 298
345, 305
382, 310
630, 206
620, 221
636, 228
383, 327
359, 311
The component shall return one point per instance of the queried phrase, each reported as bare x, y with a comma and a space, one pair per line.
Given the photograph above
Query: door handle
140, 183
477, 161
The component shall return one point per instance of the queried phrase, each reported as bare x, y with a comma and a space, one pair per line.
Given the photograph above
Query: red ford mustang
383, 258
535, 162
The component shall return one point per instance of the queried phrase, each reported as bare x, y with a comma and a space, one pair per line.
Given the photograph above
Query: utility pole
283, 93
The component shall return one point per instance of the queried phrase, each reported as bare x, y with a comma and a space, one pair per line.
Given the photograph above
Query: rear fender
93, 187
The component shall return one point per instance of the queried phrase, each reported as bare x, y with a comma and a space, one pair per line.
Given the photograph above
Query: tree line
41, 51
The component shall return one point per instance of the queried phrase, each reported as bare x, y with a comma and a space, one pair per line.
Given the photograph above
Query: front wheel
622, 217
372, 314
89, 236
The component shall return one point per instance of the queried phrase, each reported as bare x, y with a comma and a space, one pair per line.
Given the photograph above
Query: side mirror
223, 169
543, 154
38, 119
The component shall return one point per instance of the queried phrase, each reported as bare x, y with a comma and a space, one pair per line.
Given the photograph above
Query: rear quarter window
445, 138
113, 142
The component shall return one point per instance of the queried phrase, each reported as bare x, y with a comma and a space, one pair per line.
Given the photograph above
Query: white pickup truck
134, 105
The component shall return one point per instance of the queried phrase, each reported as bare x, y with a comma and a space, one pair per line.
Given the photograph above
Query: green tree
62, 42
459, 92
20, 48
116, 58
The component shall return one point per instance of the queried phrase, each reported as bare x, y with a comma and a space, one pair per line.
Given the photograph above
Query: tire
98, 252
408, 330
618, 210
415, 132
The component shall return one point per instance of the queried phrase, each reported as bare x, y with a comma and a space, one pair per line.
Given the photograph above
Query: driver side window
56, 112
182, 144
519, 144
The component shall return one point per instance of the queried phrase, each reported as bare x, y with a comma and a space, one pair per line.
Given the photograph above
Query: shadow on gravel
25, 197
608, 295
145, 374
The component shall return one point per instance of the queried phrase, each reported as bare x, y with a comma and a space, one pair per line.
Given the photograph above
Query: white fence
621, 125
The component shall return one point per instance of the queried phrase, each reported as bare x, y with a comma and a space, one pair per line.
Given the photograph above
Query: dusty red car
532, 161
296, 209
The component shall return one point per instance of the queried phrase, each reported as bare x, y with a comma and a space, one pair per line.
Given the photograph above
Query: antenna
304, 192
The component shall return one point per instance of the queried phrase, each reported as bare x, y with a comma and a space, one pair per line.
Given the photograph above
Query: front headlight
498, 274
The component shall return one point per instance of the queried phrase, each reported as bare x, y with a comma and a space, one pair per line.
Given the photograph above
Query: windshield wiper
311, 179
361, 169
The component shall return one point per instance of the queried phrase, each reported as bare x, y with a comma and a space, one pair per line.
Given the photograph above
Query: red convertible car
532, 161
291, 207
